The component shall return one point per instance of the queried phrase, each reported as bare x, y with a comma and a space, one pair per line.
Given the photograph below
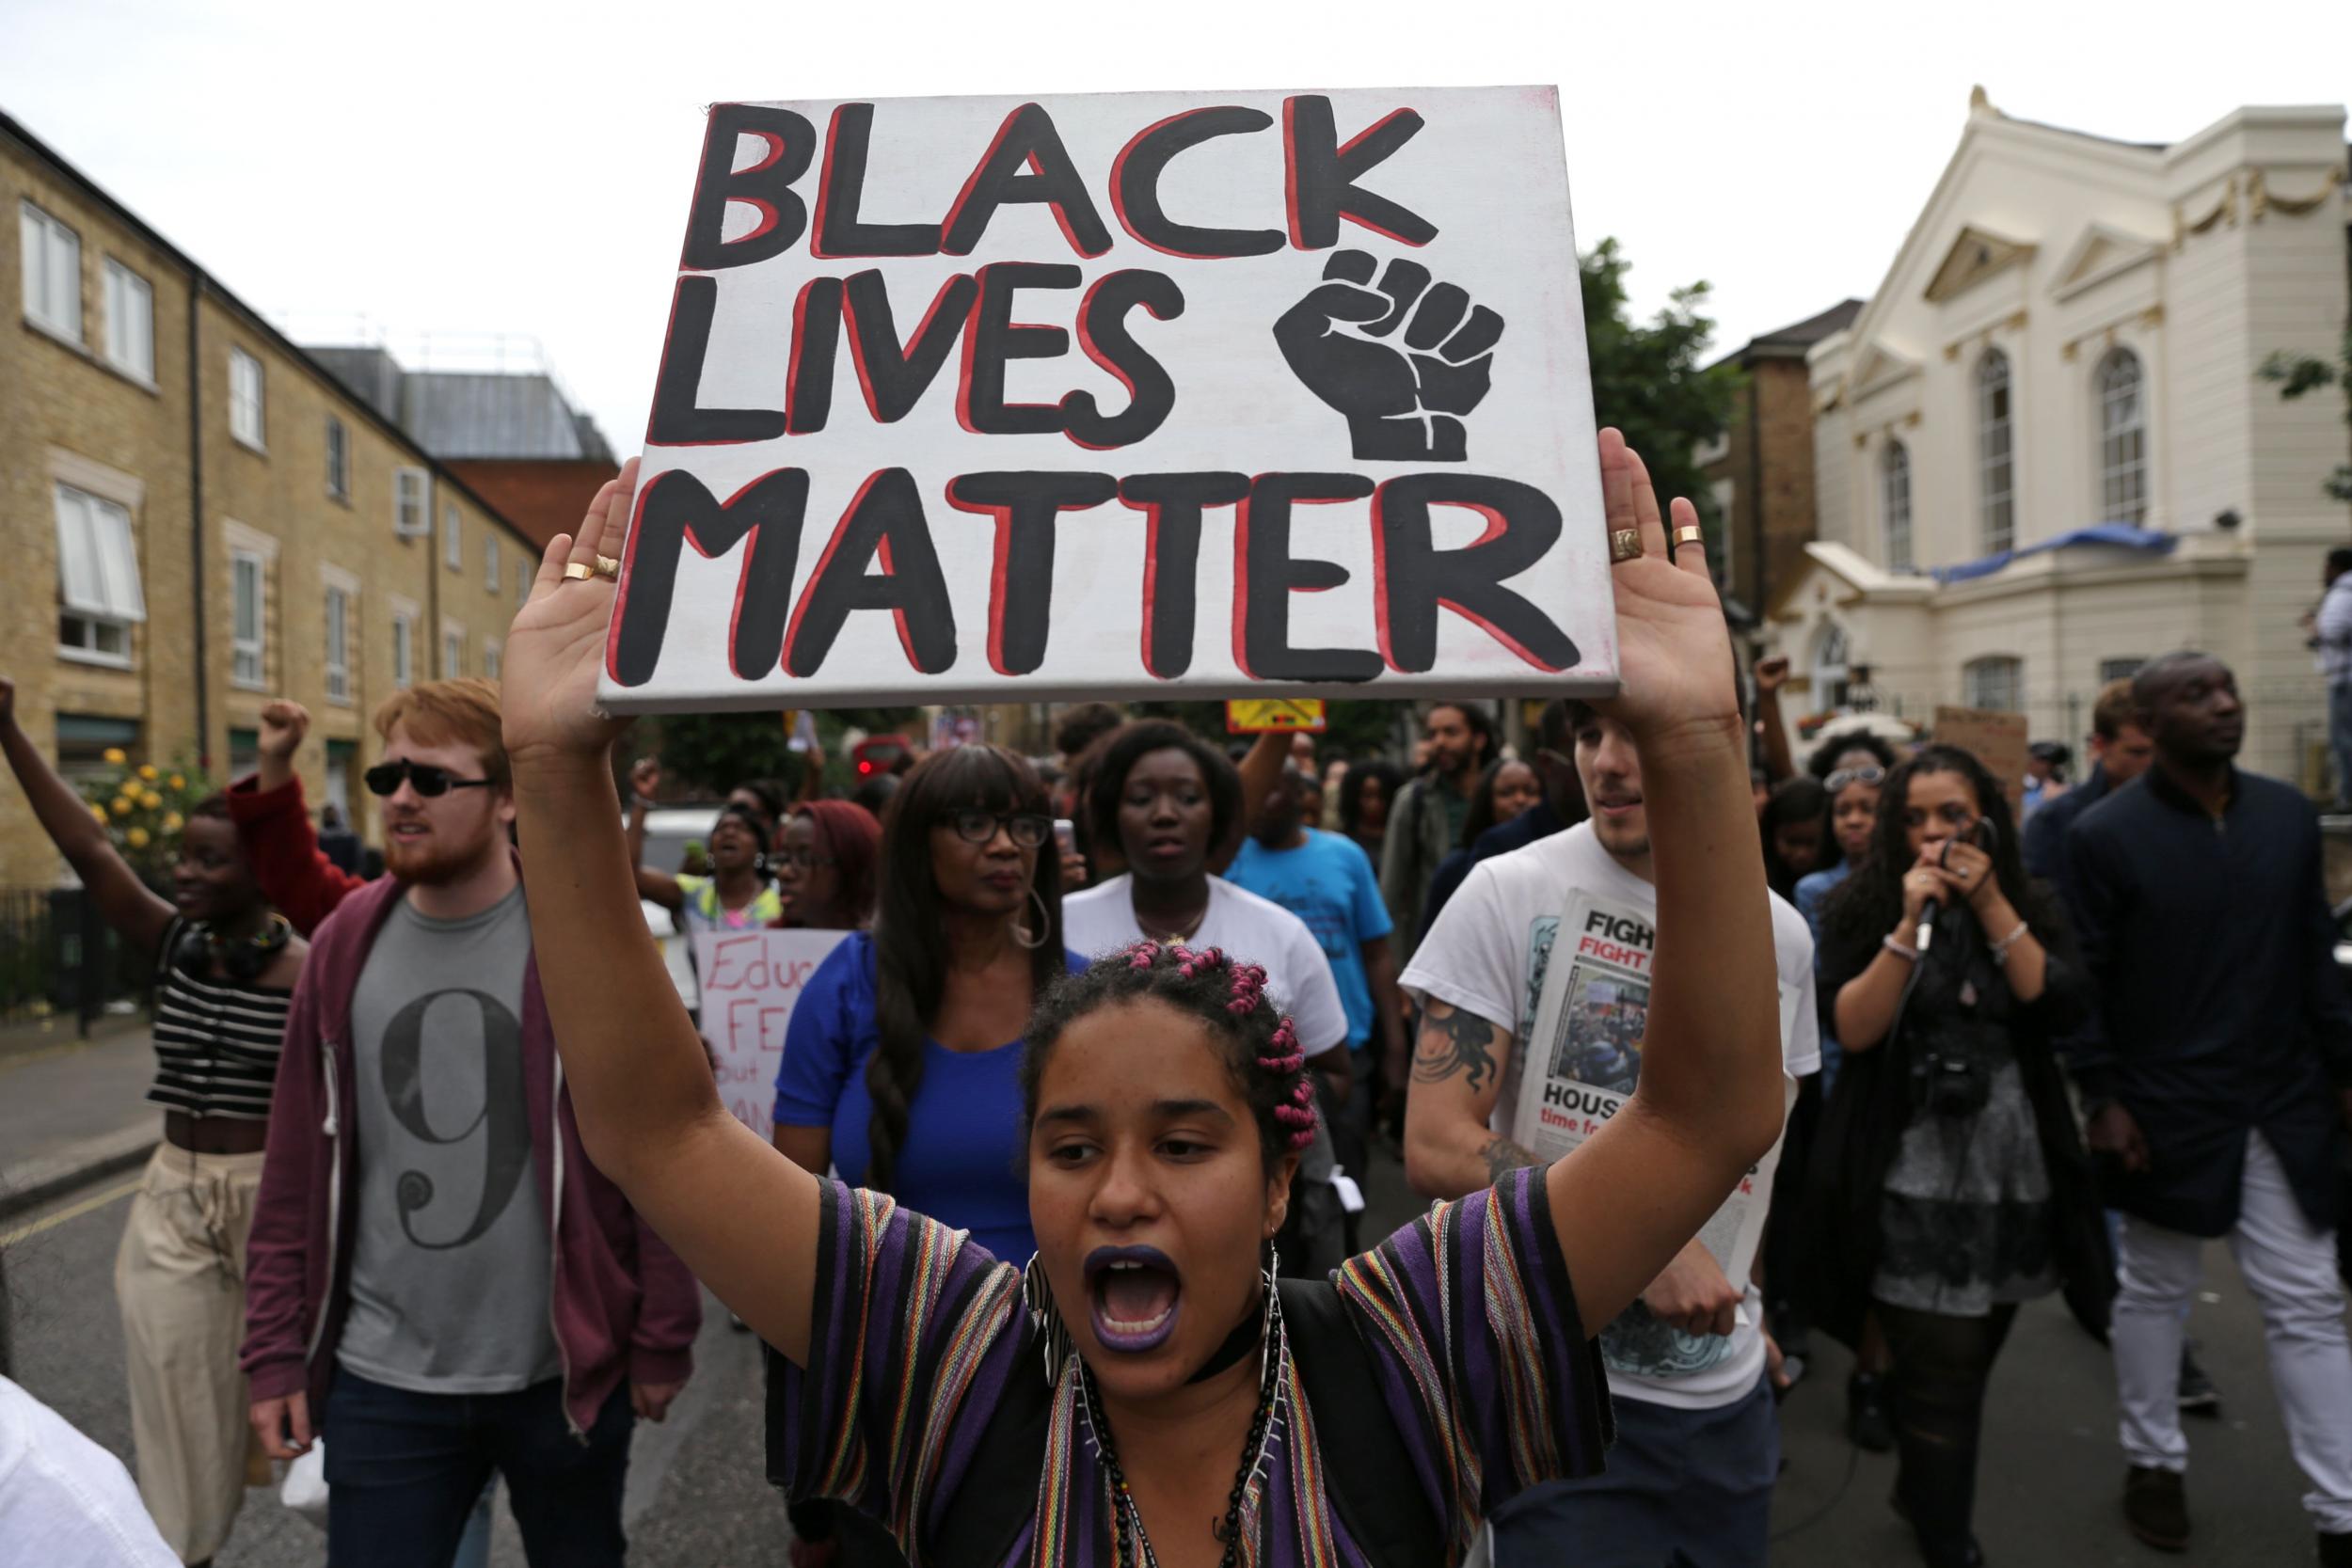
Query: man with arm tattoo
1688, 1361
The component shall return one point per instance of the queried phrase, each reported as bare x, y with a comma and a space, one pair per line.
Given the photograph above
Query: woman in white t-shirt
1165, 797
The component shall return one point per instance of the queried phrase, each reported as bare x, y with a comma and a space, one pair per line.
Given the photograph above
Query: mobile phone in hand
1066, 834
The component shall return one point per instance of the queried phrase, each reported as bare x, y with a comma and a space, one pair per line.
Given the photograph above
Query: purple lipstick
1134, 1293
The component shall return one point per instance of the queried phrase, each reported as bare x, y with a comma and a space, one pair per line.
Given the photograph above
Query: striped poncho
923, 1357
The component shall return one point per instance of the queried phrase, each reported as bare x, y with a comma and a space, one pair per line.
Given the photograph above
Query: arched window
1997, 682
2122, 440
1829, 668
1995, 491
1895, 504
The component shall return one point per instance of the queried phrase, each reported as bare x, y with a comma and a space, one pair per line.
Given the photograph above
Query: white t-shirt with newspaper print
1486, 955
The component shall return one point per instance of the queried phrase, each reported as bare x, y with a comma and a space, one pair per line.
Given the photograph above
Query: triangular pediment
1881, 366
1977, 254
2101, 253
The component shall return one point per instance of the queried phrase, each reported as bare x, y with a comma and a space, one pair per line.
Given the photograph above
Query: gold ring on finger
609, 568
578, 571
1689, 534
1625, 545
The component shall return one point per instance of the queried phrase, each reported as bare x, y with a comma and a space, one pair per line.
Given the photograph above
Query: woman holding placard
1096, 1411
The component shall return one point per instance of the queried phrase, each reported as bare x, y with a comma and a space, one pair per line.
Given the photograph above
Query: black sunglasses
1027, 829
429, 779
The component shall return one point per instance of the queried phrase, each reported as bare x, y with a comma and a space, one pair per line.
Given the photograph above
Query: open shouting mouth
1134, 1293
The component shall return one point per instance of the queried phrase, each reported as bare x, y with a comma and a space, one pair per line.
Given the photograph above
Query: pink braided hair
1286, 1057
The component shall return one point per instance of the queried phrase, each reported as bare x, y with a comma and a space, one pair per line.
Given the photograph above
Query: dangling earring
1053, 1334
1027, 938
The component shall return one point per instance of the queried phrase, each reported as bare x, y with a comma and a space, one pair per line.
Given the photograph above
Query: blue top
1812, 888
1328, 882
960, 1163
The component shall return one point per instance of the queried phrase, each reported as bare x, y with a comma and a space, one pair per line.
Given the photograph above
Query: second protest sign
974, 399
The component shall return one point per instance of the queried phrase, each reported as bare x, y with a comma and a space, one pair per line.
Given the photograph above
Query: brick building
199, 516
1760, 470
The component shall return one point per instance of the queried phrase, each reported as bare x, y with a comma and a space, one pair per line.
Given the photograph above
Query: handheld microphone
1927, 926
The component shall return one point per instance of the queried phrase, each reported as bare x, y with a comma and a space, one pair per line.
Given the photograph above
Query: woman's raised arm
742, 1216
1709, 1103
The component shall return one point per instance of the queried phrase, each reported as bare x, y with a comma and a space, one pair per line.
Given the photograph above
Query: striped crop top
216, 1041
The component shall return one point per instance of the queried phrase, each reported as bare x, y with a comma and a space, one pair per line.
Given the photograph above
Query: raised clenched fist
1403, 359
283, 726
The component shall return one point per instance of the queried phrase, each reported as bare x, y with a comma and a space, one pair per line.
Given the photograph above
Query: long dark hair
1116, 756
911, 954
1352, 784
1798, 800
1864, 907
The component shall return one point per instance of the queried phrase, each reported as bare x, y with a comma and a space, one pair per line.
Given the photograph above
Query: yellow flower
136, 838
150, 799
122, 806
171, 821
147, 771
114, 754
178, 782
99, 811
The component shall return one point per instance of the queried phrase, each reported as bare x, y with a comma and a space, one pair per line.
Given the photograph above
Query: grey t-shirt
452, 1260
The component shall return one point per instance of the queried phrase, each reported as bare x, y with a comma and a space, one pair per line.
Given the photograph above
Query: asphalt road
2048, 1495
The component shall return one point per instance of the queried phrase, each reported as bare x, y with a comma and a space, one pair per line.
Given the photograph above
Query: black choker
1237, 1344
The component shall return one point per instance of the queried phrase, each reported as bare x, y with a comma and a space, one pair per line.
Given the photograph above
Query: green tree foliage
712, 752
1649, 381
2299, 374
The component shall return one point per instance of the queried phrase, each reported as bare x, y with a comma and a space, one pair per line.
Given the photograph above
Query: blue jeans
405, 1471
1686, 1487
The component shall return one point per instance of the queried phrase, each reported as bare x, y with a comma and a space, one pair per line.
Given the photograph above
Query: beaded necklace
1134, 1546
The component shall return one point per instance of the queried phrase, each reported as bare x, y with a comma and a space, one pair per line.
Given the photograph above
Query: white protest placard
751, 982
1123, 394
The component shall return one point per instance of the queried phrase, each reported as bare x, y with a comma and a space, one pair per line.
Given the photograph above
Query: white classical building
2068, 340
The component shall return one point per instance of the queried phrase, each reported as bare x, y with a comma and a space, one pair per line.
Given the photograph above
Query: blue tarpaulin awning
2128, 536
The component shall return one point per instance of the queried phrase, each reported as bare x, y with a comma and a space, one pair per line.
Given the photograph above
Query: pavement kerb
36, 1181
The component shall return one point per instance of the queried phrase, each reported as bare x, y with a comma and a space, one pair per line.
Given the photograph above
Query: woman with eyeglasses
739, 894
902, 1062
1952, 1183
825, 862
225, 966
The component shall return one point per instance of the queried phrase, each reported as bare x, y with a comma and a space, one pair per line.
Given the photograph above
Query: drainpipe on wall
196, 512
432, 548
1756, 493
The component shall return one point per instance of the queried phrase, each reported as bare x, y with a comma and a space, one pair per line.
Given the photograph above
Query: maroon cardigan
624, 1307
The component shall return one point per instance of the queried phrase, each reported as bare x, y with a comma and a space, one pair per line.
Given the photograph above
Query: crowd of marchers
1063, 1205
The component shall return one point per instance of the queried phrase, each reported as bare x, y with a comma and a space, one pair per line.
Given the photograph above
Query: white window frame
99, 592
2120, 384
1831, 658
130, 323
452, 538
341, 588
338, 458
249, 399
412, 503
1997, 453
249, 648
493, 657
490, 563
452, 650
405, 618
1894, 505
1994, 681
51, 255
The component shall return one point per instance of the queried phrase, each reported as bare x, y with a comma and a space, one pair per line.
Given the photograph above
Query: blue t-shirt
1328, 882
961, 1161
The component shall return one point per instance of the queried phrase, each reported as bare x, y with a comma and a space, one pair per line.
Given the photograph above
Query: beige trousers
180, 1280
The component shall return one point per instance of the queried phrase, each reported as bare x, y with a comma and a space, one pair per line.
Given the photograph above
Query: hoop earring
1026, 937
1053, 1334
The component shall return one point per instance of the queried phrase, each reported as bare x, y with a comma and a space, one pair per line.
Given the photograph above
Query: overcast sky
484, 167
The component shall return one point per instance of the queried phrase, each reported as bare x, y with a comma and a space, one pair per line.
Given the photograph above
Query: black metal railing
58, 961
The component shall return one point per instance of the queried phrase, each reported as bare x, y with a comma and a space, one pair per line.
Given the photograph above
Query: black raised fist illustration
1403, 393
